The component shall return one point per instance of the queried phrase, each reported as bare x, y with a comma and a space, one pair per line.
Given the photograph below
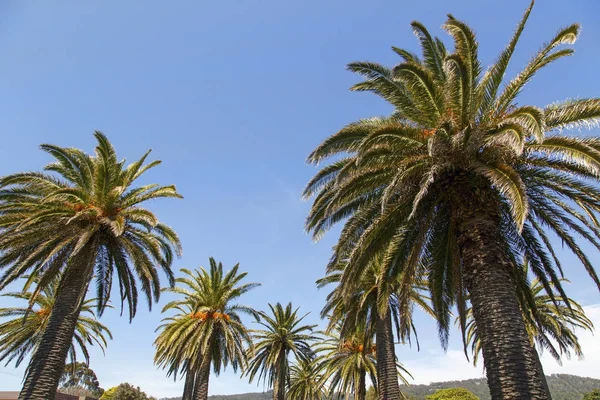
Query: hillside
562, 386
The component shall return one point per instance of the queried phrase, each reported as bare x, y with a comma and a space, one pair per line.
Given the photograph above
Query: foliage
371, 393
79, 379
374, 293
355, 318
207, 325
401, 179
80, 391
593, 395
125, 391
86, 205
306, 382
348, 362
283, 334
552, 328
21, 335
452, 394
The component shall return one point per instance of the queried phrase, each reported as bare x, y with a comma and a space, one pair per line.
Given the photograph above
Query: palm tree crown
21, 335
283, 334
346, 363
375, 293
90, 204
306, 382
206, 329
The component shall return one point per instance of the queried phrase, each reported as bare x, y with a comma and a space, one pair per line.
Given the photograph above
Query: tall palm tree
465, 182
21, 335
374, 307
82, 217
207, 329
283, 334
306, 382
552, 328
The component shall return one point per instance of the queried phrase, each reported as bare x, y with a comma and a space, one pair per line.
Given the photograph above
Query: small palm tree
464, 182
373, 308
306, 382
347, 361
207, 329
283, 334
550, 325
81, 218
21, 335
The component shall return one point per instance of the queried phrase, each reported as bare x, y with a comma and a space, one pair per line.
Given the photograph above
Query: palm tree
207, 329
347, 362
82, 217
21, 335
464, 182
306, 382
374, 307
283, 334
552, 328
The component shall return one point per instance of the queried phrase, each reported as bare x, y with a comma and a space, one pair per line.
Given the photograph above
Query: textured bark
361, 390
511, 363
387, 374
202, 378
48, 362
279, 387
188, 388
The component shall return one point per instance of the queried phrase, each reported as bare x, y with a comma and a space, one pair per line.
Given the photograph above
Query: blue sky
232, 96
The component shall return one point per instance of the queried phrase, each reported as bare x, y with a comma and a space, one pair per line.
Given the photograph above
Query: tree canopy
452, 394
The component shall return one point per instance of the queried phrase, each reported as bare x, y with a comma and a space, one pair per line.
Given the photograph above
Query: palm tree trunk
188, 387
511, 363
387, 374
361, 389
202, 378
279, 387
48, 362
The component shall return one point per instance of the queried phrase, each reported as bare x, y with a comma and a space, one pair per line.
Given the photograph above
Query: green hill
562, 386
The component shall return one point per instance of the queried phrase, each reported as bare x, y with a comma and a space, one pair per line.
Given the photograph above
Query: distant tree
452, 394
207, 329
361, 311
593, 395
125, 391
80, 380
306, 382
283, 334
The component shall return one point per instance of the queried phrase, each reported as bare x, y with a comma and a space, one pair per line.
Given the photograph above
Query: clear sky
232, 96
